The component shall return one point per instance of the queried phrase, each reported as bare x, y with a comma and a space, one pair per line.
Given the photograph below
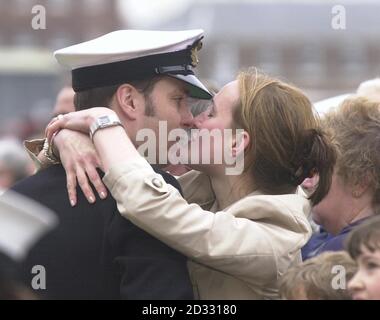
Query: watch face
103, 120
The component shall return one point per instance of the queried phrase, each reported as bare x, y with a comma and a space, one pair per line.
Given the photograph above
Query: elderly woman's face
333, 212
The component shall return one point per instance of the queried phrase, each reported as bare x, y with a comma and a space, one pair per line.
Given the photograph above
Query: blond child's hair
314, 279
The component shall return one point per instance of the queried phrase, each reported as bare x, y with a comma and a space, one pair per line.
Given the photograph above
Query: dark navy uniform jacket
95, 253
8, 276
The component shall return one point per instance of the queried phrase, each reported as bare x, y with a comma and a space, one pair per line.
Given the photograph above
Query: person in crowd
363, 245
355, 190
241, 231
64, 102
15, 164
324, 277
144, 76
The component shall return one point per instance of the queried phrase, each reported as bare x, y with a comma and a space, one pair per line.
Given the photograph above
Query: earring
356, 194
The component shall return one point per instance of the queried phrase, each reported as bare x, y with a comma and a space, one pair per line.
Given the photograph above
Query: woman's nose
198, 120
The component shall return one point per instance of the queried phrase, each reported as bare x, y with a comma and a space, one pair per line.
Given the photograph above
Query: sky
147, 13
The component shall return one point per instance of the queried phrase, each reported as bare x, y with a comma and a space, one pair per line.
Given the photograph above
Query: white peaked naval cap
130, 55
326, 105
22, 223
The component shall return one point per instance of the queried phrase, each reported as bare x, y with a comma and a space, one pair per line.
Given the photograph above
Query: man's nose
187, 119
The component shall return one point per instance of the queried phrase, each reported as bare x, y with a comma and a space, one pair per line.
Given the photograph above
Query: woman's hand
76, 121
80, 160
81, 168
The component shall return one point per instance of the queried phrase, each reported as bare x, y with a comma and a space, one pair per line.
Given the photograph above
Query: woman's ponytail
318, 157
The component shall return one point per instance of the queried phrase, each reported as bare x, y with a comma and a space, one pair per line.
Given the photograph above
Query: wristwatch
104, 122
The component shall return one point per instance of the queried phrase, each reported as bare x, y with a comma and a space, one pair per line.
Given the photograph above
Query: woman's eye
371, 265
210, 113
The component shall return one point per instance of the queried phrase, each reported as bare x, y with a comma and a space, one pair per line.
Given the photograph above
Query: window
311, 61
22, 7
226, 62
58, 7
23, 40
59, 41
268, 58
94, 7
354, 59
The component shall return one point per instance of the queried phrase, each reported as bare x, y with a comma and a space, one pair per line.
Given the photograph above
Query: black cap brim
195, 86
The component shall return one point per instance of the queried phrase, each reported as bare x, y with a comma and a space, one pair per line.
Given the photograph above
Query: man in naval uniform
144, 76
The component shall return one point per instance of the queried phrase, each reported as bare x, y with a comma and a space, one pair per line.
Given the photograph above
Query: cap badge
194, 53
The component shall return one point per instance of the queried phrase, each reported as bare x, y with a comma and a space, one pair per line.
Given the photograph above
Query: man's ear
130, 100
240, 142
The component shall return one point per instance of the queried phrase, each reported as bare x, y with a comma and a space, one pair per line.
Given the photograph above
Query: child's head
323, 277
363, 245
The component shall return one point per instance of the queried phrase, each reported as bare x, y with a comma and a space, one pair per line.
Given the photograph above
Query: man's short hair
102, 96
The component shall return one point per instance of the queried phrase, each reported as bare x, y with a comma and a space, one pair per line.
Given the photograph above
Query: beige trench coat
237, 253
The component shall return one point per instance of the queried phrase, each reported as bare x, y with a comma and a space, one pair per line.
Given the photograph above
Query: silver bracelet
48, 150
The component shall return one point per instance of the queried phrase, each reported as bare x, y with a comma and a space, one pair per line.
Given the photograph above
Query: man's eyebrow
179, 92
